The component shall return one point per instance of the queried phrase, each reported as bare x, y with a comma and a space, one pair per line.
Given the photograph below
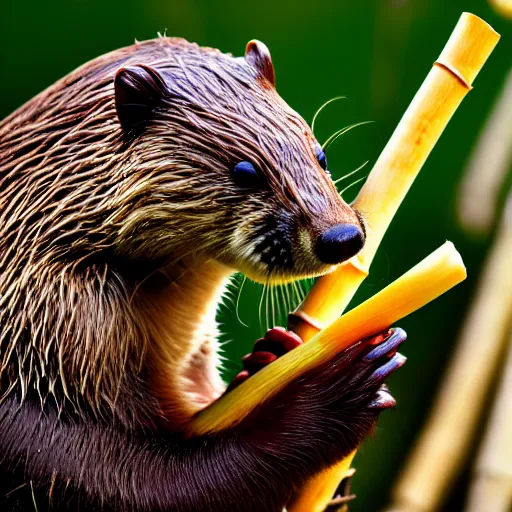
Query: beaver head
226, 168
165, 149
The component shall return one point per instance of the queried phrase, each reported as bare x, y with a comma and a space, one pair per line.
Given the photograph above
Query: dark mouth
275, 249
275, 240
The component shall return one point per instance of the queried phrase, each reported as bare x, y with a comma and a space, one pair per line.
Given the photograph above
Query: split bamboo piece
440, 452
430, 278
491, 488
488, 166
448, 82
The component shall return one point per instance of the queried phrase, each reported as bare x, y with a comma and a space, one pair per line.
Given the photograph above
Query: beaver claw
388, 360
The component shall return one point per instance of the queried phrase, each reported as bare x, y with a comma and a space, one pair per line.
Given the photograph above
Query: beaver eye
245, 175
322, 159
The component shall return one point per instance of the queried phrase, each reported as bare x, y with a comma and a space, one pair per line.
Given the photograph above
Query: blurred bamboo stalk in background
446, 85
488, 166
441, 450
503, 7
491, 488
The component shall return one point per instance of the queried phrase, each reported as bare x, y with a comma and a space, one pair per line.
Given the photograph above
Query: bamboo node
298, 318
455, 72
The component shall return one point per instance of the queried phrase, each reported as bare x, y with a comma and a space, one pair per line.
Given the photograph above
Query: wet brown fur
115, 248
82, 202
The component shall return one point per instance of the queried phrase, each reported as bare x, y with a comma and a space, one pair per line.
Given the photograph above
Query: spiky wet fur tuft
115, 248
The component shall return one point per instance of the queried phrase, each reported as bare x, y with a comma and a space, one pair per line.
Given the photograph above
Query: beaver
131, 190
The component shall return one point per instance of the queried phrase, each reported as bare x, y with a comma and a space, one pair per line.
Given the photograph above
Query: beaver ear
138, 91
258, 56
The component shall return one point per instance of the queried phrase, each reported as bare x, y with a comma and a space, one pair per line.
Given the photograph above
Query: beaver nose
339, 243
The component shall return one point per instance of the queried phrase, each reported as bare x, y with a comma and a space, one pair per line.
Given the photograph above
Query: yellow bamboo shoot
430, 278
444, 88
442, 448
448, 82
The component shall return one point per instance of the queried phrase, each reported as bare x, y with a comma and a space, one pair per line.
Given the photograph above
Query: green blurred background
375, 52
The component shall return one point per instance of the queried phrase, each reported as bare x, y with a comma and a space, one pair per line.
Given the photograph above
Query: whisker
294, 292
270, 307
350, 173
341, 132
278, 305
296, 298
304, 288
286, 294
303, 291
237, 310
286, 303
272, 297
321, 108
260, 308
298, 291
352, 184
267, 304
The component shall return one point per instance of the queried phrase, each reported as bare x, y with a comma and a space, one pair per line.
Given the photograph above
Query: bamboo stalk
315, 500
448, 82
488, 166
441, 450
320, 489
503, 7
492, 482
430, 278
444, 88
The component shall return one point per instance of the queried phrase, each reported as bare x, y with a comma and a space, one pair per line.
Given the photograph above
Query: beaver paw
276, 342
386, 360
